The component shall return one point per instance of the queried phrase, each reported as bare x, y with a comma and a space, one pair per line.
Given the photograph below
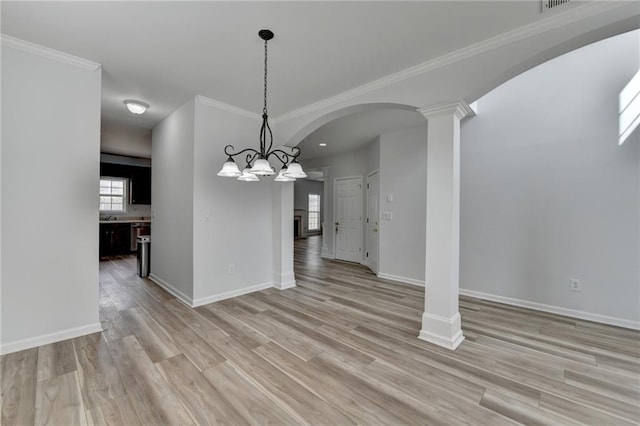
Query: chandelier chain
264, 109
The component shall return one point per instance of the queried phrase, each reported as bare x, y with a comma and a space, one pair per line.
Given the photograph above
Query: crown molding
460, 109
536, 28
45, 52
226, 107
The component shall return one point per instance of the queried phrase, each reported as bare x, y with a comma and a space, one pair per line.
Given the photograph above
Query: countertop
126, 221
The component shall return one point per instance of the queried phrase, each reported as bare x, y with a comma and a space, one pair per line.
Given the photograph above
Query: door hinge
360, 249
367, 220
367, 254
367, 186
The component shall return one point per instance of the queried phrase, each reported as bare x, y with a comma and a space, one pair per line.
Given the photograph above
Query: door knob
375, 229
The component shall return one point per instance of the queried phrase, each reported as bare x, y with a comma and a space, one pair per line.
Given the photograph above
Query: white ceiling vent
548, 5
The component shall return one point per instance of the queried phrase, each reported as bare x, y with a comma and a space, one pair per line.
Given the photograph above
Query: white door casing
372, 226
348, 218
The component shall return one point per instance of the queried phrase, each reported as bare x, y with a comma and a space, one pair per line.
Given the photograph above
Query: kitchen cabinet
115, 170
115, 238
140, 185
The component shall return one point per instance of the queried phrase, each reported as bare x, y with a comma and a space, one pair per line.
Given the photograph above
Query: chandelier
257, 161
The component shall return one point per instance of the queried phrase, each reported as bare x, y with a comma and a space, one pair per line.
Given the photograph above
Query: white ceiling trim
56, 55
548, 24
227, 107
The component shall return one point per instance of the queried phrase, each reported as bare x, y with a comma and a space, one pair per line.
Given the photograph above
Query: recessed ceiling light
322, 144
136, 107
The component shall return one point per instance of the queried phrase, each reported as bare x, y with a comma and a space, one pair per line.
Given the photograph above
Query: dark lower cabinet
115, 238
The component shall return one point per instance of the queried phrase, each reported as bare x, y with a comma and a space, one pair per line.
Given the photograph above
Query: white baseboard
46, 339
172, 290
327, 256
229, 294
284, 281
368, 265
285, 285
400, 279
604, 319
217, 297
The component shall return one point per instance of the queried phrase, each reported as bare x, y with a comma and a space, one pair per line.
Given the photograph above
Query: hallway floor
340, 348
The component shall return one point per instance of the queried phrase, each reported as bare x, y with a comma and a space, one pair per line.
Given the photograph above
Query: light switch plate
387, 215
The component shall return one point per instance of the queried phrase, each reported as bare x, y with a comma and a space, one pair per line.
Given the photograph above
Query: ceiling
356, 131
164, 53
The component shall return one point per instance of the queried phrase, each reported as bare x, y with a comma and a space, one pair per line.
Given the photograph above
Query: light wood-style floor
340, 349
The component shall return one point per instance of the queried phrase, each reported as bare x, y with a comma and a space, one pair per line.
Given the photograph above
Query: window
113, 192
314, 212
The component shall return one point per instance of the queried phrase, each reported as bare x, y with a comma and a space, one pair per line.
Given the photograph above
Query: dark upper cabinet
115, 170
140, 185
139, 180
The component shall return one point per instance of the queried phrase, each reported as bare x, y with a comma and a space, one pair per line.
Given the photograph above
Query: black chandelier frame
265, 151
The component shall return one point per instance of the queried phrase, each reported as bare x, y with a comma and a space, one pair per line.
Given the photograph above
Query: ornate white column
282, 220
441, 319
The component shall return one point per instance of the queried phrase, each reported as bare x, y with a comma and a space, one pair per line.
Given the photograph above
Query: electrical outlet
232, 268
575, 284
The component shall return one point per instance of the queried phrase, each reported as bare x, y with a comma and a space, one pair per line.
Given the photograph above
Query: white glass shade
262, 167
229, 169
247, 176
136, 107
282, 177
295, 171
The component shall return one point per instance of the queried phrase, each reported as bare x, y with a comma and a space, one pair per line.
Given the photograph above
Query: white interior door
373, 205
348, 219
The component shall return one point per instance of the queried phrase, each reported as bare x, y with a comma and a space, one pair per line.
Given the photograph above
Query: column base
284, 281
441, 331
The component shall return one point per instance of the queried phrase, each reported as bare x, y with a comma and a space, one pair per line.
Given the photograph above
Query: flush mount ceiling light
258, 160
322, 144
136, 107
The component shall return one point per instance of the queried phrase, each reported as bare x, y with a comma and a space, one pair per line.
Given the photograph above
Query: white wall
232, 220
125, 139
547, 193
403, 175
50, 172
213, 237
301, 190
172, 194
373, 156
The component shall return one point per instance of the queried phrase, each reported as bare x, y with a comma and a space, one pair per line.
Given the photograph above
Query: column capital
459, 109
